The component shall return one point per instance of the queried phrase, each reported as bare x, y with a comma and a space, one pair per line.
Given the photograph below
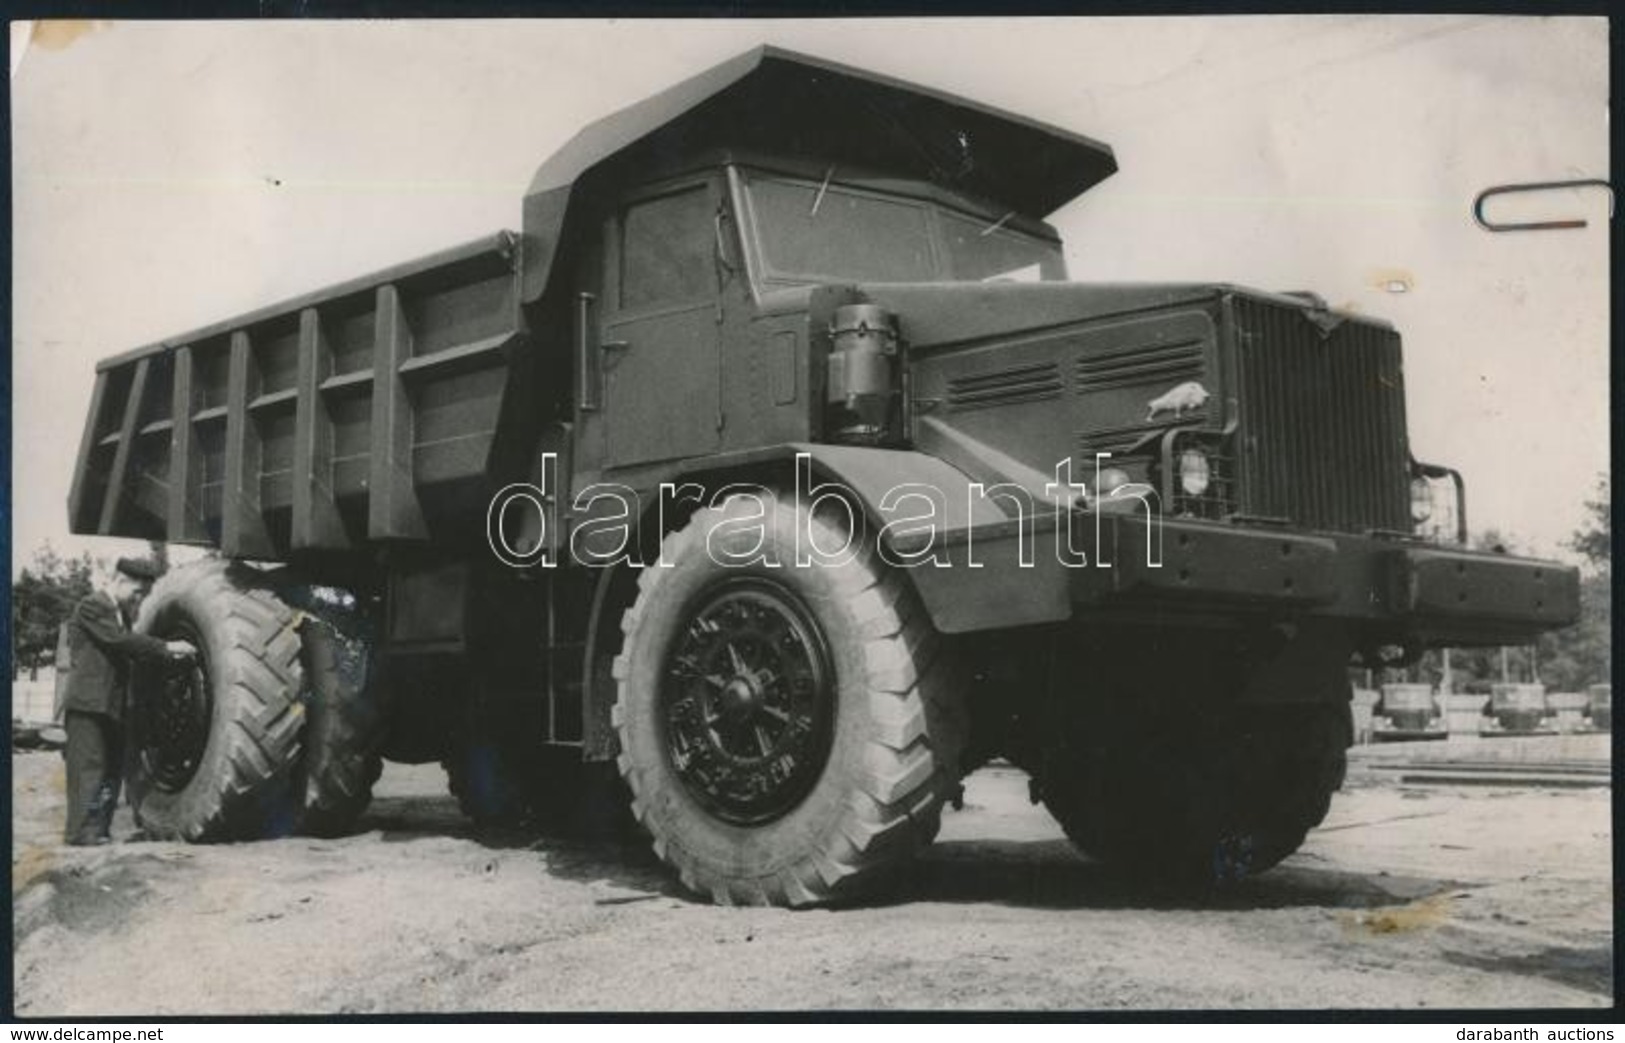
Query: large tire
1198, 801
213, 745
502, 782
496, 781
344, 720
825, 809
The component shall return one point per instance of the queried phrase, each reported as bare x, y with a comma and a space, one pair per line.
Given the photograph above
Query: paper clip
1536, 186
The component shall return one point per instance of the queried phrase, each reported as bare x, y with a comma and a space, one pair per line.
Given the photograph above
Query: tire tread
910, 762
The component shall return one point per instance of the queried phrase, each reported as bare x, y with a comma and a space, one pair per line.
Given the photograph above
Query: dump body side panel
367, 411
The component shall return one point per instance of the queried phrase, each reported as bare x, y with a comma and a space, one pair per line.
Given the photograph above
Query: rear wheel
345, 719
504, 779
214, 741
788, 734
1198, 800
492, 772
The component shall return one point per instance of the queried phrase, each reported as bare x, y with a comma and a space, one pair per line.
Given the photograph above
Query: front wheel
788, 734
1198, 800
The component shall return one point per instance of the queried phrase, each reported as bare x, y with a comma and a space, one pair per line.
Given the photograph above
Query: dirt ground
1410, 896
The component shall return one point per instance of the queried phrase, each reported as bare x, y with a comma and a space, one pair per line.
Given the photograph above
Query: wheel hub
172, 713
741, 697
748, 696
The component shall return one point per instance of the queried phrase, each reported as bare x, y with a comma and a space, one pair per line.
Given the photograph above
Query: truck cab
706, 285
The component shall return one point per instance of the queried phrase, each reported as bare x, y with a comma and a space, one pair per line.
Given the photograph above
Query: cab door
659, 341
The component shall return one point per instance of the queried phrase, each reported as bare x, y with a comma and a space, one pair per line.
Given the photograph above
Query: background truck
1409, 712
1600, 706
1518, 709
538, 507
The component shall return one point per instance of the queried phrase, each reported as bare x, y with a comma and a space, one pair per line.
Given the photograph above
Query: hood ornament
1189, 396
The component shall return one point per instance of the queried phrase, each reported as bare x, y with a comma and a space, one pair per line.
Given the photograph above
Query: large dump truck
774, 477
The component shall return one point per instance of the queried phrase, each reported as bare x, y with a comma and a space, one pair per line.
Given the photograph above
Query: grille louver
1115, 440
1026, 383
1162, 364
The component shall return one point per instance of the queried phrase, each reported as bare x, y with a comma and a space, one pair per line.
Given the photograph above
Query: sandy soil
1409, 896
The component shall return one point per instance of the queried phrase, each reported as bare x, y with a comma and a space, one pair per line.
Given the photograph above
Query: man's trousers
95, 756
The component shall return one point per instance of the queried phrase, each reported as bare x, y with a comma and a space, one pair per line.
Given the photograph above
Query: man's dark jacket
100, 650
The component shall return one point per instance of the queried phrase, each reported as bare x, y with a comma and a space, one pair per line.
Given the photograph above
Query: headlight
1194, 473
1421, 499
1111, 478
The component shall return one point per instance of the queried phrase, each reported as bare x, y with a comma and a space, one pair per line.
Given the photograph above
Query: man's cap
137, 568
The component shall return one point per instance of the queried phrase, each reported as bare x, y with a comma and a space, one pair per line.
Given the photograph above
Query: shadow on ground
1049, 874
1040, 874
1590, 969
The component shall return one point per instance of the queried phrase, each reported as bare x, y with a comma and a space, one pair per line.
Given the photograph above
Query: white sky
167, 175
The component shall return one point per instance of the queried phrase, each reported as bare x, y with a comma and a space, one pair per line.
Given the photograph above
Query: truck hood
1012, 383
943, 314
1008, 381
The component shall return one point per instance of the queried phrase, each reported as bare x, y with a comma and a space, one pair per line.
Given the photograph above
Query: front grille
1321, 440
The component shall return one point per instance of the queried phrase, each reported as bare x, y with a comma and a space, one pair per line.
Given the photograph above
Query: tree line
43, 596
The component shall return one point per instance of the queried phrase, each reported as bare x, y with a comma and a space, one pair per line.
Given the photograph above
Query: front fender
979, 565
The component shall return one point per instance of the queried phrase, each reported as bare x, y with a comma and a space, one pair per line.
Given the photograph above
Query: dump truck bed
363, 411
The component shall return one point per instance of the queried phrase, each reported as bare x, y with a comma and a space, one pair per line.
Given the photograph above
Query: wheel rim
747, 701
173, 711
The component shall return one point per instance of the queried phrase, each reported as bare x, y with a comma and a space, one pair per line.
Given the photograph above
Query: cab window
818, 232
666, 250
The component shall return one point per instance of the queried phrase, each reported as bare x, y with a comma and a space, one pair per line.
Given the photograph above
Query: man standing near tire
101, 648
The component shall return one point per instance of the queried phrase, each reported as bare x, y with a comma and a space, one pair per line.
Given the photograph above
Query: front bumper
1396, 591
1435, 594
1405, 728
